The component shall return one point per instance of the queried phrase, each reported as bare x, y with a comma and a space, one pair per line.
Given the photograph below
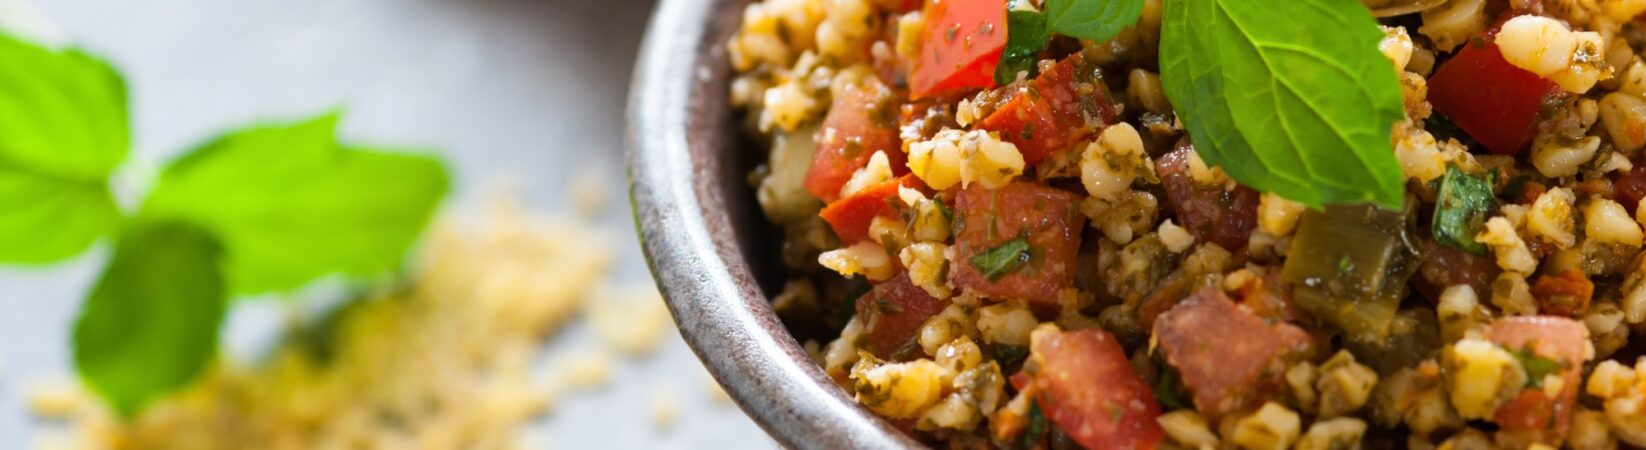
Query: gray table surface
531, 90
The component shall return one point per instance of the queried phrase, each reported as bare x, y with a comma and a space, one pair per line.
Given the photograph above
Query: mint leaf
1537, 367
291, 205
1462, 206
62, 113
1288, 97
1092, 20
150, 325
1026, 36
62, 130
48, 219
1003, 260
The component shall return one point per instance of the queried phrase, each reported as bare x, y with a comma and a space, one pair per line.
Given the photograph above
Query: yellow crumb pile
445, 362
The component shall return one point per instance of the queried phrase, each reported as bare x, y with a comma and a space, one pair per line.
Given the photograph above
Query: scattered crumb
587, 192
58, 400
665, 409
630, 320
585, 370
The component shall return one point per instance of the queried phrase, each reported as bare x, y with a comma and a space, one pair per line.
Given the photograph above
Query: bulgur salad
1254, 224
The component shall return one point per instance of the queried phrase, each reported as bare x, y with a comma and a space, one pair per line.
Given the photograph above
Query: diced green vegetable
1002, 260
1461, 208
1026, 36
1349, 266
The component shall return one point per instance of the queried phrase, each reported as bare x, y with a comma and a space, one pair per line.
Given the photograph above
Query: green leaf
150, 325
1037, 427
1092, 20
1288, 97
1462, 206
48, 219
62, 113
62, 130
1002, 260
1537, 367
291, 205
1026, 36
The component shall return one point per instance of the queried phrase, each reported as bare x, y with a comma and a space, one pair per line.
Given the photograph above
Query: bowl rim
677, 117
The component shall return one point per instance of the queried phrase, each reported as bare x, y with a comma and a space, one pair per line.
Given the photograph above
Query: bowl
707, 243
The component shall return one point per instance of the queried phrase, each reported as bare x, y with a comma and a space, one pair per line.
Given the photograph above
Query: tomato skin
988, 218
960, 45
1211, 213
1087, 386
1227, 357
1053, 117
892, 313
859, 123
850, 216
1565, 294
1629, 187
1557, 338
1489, 98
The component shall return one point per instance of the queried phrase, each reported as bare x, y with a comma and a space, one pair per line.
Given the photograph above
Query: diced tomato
1091, 391
1629, 187
988, 218
892, 313
960, 45
1228, 358
1489, 98
1557, 338
1443, 267
860, 122
850, 216
1565, 294
1051, 113
1211, 213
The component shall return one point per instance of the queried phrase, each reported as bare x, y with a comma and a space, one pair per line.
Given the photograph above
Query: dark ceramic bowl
707, 243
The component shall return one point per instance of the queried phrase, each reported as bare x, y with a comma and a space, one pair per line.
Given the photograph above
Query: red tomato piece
1629, 187
850, 216
1227, 357
892, 313
960, 45
1443, 267
1557, 338
1210, 213
1056, 111
1091, 391
1565, 294
1046, 216
1489, 98
859, 123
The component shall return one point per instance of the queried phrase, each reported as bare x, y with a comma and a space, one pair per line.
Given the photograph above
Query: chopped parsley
1003, 260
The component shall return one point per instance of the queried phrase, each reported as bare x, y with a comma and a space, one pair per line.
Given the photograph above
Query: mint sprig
1092, 20
266, 208
1288, 97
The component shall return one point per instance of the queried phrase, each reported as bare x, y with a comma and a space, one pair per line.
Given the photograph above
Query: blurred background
524, 94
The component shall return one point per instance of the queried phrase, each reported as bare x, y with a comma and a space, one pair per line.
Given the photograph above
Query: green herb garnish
150, 324
1168, 390
1290, 97
1002, 260
1037, 428
1092, 20
1461, 208
1026, 36
1537, 367
62, 131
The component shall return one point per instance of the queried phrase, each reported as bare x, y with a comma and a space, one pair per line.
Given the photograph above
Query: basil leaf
1288, 97
1002, 260
1461, 209
150, 325
62, 130
1092, 20
1537, 367
48, 219
1026, 36
291, 205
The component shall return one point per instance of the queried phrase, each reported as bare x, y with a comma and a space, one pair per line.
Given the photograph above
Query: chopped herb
1002, 260
948, 214
1026, 36
1010, 355
1461, 209
907, 350
1115, 412
1537, 367
1037, 426
1443, 128
1167, 390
